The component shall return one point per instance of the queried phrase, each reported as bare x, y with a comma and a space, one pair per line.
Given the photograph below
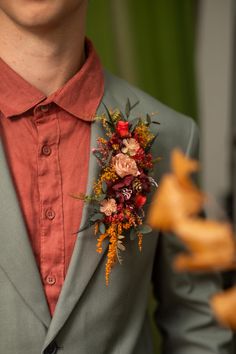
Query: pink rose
108, 206
131, 146
124, 165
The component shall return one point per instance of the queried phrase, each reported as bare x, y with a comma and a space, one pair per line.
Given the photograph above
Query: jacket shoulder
175, 129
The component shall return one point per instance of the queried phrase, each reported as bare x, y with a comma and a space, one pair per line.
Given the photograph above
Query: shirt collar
80, 96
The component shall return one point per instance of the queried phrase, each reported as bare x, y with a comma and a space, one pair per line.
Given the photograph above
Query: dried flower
121, 188
131, 146
108, 206
143, 135
122, 128
125, 166
140, 200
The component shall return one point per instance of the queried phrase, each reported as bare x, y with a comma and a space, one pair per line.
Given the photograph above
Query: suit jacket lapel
85, 259
16, 257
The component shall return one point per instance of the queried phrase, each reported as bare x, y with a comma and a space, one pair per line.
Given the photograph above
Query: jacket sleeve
184, 316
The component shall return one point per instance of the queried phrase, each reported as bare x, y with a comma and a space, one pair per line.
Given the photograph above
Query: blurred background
184, 54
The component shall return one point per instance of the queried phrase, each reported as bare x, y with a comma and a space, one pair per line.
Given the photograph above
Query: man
53, 297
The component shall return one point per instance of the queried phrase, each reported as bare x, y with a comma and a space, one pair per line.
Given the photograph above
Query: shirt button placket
50, 214
51, 195
46, 150
50, 280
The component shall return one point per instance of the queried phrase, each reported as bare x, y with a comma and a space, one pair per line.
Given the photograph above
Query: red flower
140, 200
122, 128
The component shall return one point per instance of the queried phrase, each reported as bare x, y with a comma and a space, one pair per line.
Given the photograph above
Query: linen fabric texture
91, 318
47, 144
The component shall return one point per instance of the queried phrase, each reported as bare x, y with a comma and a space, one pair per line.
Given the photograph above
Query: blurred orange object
177, 197
182, 167
211, 245
224, 305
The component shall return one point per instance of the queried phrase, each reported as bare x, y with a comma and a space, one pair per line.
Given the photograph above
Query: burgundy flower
140, 154
114, 140
144, 160
125, 182
145, 182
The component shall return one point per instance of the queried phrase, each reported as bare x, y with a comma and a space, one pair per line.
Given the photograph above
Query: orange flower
211, 245
173, 203
177, 197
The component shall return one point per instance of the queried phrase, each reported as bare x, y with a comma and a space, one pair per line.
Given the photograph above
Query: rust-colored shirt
47, 143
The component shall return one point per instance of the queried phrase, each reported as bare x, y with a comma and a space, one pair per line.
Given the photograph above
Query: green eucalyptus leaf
96, 217
102, 228
133, 234
144, 229
97, 154
96, 207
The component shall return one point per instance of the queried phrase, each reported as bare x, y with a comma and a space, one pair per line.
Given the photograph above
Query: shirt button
44, 109
46, 150
50, 214
50, 280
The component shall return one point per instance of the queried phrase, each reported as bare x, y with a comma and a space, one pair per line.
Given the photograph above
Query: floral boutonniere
124, 182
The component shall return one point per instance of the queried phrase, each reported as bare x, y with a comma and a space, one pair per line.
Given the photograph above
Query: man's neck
45, 59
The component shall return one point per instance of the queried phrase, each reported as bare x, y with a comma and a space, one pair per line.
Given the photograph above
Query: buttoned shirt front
47, 144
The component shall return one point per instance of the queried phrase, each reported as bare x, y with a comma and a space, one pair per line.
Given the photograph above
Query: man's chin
35, 14
42, 24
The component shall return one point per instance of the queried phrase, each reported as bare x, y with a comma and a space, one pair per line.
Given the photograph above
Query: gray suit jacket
91, 318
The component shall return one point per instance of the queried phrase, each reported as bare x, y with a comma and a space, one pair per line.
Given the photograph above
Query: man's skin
43, 40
